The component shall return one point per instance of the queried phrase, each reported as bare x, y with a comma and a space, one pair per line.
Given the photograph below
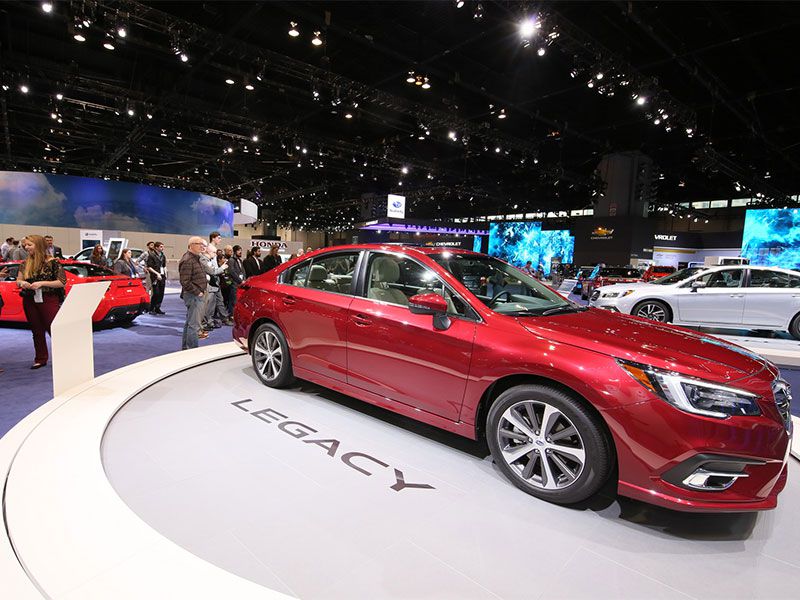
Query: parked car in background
124, 300
564, 395
654, 272
609, 276
728, 297
85, 254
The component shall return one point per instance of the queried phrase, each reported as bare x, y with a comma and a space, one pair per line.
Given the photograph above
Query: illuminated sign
602, 233
396, 206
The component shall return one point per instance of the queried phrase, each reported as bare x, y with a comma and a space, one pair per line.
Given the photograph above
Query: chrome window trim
353, 291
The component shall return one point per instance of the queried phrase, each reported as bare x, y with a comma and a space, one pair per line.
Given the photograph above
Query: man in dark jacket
252, 264
236, 271
193, 289
157, 267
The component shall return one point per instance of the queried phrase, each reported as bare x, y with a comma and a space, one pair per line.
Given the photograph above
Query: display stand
71, 336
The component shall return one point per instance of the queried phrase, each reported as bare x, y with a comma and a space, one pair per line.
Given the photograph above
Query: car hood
639, 340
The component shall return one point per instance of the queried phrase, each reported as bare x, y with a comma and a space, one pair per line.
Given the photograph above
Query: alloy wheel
653, 312
541, 444
268, 355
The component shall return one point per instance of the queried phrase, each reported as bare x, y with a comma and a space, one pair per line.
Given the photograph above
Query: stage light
404, 170
497, 150
460, 3
108, 44
411, 78
528, 27
477, 14
53, 116
229, 81
184, 57
348, 115
254, 138
317, 40
452, 135
122, 32
23, 87
293, 32
130, 111
149, 115
59, 96
501, 114
657, 122
47, 7
248, 86
541, 51
426, 85
78, 36
641, 100
590, 84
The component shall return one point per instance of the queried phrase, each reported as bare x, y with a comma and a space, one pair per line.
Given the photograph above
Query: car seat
385, 271
318, 279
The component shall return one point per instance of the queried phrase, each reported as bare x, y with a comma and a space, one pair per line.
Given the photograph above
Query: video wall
517, 242
772, 237
63, 201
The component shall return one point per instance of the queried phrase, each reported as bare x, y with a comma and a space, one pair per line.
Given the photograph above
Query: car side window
395, 279
298, 274
12, 272
333, 272
772, 279
729, 278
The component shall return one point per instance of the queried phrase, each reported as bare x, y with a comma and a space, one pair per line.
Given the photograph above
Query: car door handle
362, 320
289, 300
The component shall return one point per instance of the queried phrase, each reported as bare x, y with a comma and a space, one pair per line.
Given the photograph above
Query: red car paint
657, 272
388, 356
124, 300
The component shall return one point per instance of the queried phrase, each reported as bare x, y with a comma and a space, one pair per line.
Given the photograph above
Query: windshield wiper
564, 308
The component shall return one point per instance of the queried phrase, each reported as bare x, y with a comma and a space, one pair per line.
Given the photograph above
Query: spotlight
348, 115
477, 14
122, 32
293, 29
131, 112
497, 150
59, 96
47, 7
528, 27
248, 86
315, 94
404, 170
426, 85
599, 76
411, 78
184, 57
657, 121
641, 100
254, 138
452, 135
23, 87
317, 40
53, 116
541, 51
590, 84
149, 115
108, 44
229, 81
501, 114
460, 3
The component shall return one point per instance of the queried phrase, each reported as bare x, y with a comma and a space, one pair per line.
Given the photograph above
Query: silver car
732, 297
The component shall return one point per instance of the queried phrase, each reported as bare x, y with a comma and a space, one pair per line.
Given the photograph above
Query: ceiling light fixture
460, 3
293, 32
255, 137
411, 78
317, 40
122, 31
108, 44
47, 7
24, 88
641, 100
426, 85
229, 81
184, 57
59, 96
541, 51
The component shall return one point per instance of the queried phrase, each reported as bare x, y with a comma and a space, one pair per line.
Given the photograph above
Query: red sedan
566, 396
125, 299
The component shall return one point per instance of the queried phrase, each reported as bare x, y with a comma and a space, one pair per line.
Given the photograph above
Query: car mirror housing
427, 304
696, 285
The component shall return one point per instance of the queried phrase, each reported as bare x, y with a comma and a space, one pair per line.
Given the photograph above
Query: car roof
759, 267
427, 250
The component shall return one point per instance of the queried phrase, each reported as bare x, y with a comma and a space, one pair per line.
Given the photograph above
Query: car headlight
694, 395
618, 294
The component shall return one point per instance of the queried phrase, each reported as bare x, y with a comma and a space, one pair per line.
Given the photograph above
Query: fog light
711, 481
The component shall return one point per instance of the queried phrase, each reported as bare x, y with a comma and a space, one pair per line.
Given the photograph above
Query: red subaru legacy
565, 396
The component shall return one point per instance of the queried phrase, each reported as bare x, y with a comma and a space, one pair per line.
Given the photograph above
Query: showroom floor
433, 518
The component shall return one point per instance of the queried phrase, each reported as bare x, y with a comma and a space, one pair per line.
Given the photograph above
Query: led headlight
694, 395
617, 294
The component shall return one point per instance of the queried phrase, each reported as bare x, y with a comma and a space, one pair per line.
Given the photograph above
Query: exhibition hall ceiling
450, 103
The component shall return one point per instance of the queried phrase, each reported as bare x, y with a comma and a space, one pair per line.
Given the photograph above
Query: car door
312, 301
399, 355
771, 298
720, 302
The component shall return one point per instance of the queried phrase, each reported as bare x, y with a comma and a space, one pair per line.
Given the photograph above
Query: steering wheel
497, 296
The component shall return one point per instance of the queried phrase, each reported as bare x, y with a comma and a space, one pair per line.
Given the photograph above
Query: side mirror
696, 285
431, 304
427, 304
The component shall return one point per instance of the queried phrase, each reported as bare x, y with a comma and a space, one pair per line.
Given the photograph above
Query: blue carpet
24, 390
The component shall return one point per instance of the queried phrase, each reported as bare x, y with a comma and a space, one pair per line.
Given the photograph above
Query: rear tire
549, 444
794, 327
269, 353
654, 310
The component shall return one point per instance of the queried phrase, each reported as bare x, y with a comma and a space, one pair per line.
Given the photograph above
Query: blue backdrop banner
64, 201
772, 237
517, 242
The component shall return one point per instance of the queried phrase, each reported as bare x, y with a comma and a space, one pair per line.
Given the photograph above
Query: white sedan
732, 297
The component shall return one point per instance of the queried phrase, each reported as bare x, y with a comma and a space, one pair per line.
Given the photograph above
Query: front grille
595, 295
783, 399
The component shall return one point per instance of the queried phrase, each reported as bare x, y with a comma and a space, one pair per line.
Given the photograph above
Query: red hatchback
564, 395
125, 299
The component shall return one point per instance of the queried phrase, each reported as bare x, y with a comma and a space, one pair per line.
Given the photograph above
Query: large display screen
772, 237
63, 201
517, 242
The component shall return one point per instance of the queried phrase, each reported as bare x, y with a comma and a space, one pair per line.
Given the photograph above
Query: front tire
270, 355
654, 310
548, 444
794, 327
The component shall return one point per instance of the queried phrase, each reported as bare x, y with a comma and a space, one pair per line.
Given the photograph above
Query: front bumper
660, 447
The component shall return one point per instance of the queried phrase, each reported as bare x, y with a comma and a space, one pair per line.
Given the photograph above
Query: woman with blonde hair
41, 281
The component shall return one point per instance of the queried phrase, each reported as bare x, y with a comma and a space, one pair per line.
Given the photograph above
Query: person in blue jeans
194, 287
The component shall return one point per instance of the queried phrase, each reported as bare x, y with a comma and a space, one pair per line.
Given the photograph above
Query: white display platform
783, 352
211, 498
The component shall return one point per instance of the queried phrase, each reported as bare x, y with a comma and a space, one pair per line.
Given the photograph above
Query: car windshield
678, 276
503, 288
